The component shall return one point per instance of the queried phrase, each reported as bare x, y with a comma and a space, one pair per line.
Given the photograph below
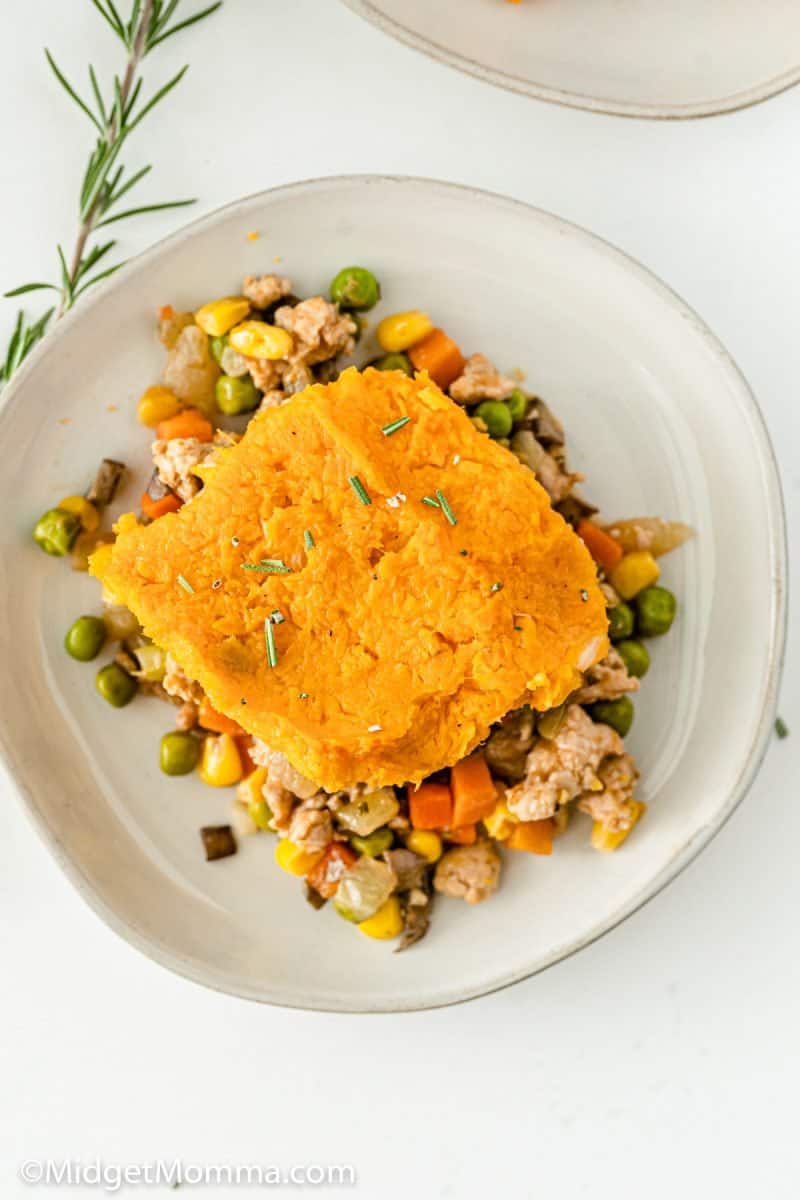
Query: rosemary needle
359, 489
187, 587
269, 566
446, 509
308, 538
269, 634
393, 426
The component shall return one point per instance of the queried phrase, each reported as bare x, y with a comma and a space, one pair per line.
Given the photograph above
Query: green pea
236, 395
178, 753
635, 655
115, 685
620, 622
394, 362
217, 347
355, 287
655, 611
374, 843
56, 530
616, 713
517, 404
85, 638
496, 416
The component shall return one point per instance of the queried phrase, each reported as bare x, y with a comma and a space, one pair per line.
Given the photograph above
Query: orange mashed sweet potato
403, 637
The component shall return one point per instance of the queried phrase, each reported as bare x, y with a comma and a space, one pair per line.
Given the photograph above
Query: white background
660, 1061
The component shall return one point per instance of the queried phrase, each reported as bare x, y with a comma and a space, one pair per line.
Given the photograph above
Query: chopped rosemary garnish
359, 489
584, 595
271, 566
464, 553
446, 509
430, 501
308, 538
496, 587
277, 617
187, 587
781, 728
393, 426
272, 653
302, 695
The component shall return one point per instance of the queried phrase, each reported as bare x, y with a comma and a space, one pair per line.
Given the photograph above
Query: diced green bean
375, 843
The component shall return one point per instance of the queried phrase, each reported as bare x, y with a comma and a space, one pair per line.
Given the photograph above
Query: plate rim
149, 944
757, 94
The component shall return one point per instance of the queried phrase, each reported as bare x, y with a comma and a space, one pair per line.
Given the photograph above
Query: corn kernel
426, 844
84, 509
293, 859
500, 822
402, 330
634, 572
217, 317
250, 787
256, 339
386, 923
606, 839
220, 762
157, 404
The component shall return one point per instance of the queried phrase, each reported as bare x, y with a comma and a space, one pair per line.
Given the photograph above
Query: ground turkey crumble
175, 461
264, 290
606, 680
480, 380
471, 873
561, 768
612, 806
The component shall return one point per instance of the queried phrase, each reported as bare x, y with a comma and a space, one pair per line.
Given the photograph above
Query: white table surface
658, 1062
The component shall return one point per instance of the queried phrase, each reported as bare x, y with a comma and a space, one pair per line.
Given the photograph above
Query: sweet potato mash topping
425, 585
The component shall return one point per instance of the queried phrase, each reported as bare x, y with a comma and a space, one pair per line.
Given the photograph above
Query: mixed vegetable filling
378, 855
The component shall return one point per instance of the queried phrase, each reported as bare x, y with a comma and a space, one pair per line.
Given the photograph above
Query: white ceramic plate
637, 58
658, 418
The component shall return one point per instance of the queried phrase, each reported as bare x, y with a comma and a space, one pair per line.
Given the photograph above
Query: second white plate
638, 58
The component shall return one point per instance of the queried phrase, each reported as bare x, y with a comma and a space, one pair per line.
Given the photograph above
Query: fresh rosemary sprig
114, 116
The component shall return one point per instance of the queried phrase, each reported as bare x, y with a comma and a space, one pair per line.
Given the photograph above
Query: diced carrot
244, 746
324, 876
464, 835
602, 547
157, 508
187, 424
166, 312
209, 718
439, 355
474, 792
430, 806
534, 836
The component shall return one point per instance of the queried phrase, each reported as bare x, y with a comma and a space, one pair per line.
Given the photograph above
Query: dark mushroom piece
574, 509
313, 897
218, 841
106, 482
